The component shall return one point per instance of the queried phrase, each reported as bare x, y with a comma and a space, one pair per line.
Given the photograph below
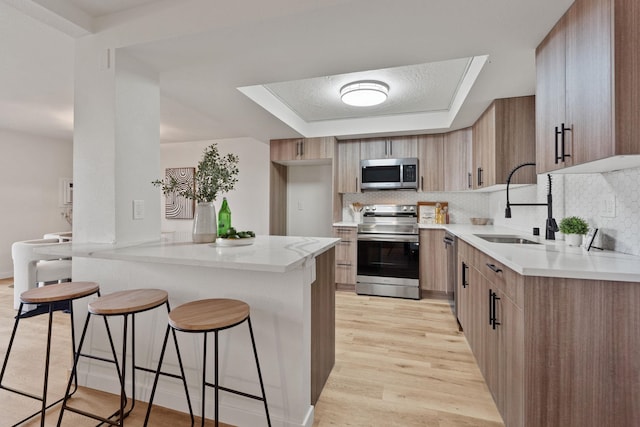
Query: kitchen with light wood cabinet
503, 137
587, 89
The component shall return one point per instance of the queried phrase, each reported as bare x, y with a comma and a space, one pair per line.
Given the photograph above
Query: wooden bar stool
122, 303
204, 316
49, 295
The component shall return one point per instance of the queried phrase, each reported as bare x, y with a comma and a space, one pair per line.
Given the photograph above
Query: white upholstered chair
30, 269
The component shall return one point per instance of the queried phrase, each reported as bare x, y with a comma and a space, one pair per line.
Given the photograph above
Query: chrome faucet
550, 227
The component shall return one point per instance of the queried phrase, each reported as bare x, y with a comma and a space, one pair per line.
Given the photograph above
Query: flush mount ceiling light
364, 93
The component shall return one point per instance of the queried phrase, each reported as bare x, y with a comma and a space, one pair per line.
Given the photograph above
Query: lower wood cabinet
553, 351
433, 261
346, 256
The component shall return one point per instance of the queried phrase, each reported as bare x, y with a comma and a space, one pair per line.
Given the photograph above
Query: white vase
205, 227
573, 239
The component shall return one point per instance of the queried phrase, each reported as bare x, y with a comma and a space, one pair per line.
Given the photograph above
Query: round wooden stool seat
208, 315
128, 302
59, 292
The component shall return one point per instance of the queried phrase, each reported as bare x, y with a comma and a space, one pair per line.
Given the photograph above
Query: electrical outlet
300, 205
138, 209
608, 206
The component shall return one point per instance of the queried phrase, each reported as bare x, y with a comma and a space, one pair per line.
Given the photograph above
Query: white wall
30, 170
309, 201
249, 201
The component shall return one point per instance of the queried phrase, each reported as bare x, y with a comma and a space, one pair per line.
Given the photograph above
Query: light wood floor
398, 363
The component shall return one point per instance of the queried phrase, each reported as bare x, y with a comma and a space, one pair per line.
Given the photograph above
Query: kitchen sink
506, 238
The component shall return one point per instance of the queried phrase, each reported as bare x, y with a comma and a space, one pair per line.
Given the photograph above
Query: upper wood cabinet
348, 166
390, 147
504, 137
430, 162
286, 150
588, 92
457, 160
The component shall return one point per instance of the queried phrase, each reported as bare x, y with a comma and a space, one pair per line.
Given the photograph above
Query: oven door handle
388, 238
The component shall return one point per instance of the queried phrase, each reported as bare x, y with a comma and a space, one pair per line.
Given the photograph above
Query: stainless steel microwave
389, 174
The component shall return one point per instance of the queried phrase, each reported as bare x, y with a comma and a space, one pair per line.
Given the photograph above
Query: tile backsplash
583, 195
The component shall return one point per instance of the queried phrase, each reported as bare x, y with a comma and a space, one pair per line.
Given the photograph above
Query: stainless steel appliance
389, 174
388, 252
451, 246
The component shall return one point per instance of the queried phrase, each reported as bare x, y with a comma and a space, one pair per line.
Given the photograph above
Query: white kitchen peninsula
287, 281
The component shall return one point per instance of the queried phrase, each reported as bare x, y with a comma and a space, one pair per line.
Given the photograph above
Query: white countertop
551, 258
267, 253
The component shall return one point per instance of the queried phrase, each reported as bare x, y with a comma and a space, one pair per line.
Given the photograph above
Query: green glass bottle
224, 218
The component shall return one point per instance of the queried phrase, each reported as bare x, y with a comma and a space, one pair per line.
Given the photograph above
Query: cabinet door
457, 160
316, 148
484, 141
433, 261
403, 146
589, 71
477, 334
349, 166
374, 148
462, 286
284, 149
510, 356
431, 167
550, 99
346, 255
394, 147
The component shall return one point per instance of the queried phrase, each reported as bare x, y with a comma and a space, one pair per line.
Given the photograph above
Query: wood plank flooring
398, 363
402, 363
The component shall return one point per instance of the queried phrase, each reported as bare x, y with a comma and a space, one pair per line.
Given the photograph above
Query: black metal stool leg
204, 379
155, 380
159, 372
13, 335
255, 353
74, 370
215, 378
46, 367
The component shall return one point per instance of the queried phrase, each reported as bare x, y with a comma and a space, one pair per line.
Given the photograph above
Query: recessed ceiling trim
412, 122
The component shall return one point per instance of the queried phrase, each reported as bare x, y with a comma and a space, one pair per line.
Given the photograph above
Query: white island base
292, 313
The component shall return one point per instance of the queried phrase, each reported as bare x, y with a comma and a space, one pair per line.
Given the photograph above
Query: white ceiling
299, 51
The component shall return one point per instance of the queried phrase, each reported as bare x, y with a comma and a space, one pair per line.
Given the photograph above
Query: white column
116, 146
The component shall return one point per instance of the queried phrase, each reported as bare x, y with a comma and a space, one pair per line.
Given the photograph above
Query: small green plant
573, 225
215, 174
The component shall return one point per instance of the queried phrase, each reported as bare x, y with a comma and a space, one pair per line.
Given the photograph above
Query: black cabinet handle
480, 177
562, 153
493, 297
556, 157
465, 267
301, 148
494, 268
561, 131
470, 180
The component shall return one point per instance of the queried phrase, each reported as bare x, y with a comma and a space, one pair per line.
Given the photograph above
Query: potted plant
573, 227
215, 174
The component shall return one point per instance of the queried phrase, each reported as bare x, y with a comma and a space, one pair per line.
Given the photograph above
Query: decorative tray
234, 242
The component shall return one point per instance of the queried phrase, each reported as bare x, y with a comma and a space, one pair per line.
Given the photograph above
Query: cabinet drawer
505, 279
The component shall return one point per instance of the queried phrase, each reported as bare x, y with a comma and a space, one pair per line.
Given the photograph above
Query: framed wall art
176, 206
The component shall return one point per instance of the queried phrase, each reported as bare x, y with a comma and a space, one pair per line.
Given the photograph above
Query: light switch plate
138, 209
608, 206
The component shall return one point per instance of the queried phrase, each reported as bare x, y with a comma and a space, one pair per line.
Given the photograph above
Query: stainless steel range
388, 252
